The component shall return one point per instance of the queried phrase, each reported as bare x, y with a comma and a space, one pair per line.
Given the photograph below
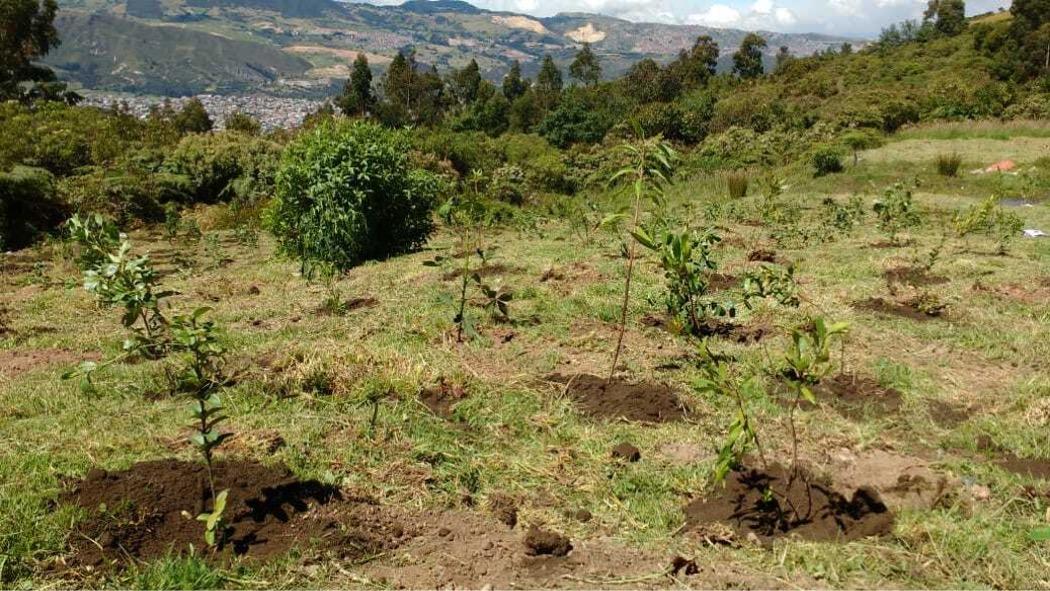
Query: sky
855, 18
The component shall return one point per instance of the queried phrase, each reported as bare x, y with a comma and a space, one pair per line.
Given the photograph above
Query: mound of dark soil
799, 506
540, 542
617, 399
891, 308
1031, 467
714, 327
149, 511
859, 397
762, 255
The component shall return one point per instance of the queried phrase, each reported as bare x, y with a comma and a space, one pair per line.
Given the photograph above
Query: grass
516, 433
994, 130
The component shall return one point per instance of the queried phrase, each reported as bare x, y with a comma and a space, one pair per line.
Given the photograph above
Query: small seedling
132, 283
201, 378
989, 218
96, 236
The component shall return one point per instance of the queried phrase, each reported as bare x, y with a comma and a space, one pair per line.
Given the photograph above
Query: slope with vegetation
461, 335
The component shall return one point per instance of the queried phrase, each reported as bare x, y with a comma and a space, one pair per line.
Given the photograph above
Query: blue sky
862, 18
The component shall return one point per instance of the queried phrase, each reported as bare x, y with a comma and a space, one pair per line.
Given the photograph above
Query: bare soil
442, 397
617, 399
149, 511
541, 542
892, 308
14, 362
1030, 467
626, 451
947, 415
490, 270
802, 506
859, 397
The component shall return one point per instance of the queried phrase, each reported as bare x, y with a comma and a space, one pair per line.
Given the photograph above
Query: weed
737, 183
948, 164
843, 217
826, 160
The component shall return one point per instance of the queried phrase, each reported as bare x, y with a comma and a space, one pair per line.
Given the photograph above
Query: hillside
302, 47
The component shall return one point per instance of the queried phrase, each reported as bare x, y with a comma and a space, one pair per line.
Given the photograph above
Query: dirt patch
904, 482
627, 452
540, 542
1025, 293
1030, 467
947, 415
441, 398
617, 399
504, 508
345, 307
859, 397
15, 362
722, 281
147, 511
915, 276
892, 308
463, 550
802, 506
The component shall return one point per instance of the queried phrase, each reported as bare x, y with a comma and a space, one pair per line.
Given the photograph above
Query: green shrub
467, 151
346, 193
125, 192
826, 160
221, 166
29, 206
737, 182
948, 164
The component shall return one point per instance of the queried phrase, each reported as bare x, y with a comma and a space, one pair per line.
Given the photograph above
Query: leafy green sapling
652, 165
96, 236
687, 260
742, 434
771, 281
201, 378
808, 360
989, 218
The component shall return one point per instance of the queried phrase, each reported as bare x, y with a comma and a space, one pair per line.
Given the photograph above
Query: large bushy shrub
126, 191
29, 206
346, 193
221, 166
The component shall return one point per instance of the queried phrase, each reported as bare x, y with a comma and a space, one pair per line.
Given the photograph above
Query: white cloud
785, 17
718, 15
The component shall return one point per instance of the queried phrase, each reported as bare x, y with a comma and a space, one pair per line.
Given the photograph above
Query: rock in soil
149, 510
540, 542
626, 451
799, 506
617, 399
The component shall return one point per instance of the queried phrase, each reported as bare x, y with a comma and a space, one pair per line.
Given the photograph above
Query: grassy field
974, 395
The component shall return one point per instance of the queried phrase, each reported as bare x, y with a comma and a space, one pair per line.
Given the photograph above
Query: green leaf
1040, 534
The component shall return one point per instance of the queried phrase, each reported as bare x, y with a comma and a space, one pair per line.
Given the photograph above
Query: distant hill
179, 47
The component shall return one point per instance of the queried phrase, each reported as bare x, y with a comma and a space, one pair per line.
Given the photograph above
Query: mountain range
304, 47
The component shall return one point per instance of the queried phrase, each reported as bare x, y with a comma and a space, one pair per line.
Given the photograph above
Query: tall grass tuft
948, 164
737, 182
